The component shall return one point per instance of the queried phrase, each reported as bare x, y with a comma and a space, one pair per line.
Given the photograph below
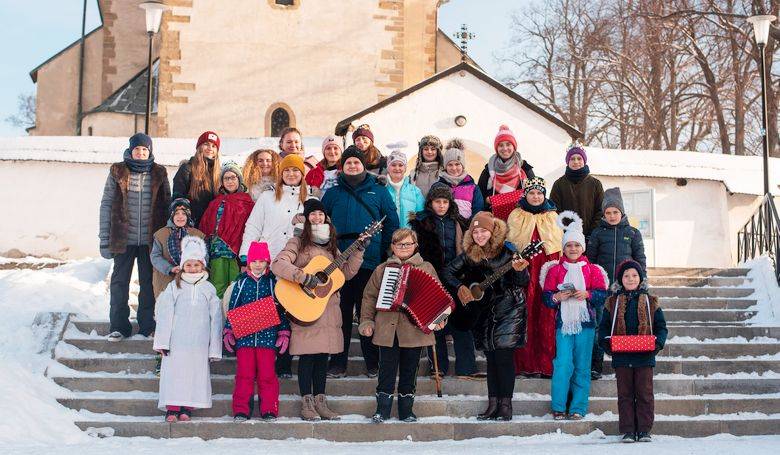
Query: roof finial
464, 36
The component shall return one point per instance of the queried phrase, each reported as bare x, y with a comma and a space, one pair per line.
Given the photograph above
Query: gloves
283, 340
310, 281
105, 253
228, 340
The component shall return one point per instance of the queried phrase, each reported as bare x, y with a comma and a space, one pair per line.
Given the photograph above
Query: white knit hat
571, 224
193, 247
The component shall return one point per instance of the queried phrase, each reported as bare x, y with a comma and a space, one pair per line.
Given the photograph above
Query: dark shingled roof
131, 97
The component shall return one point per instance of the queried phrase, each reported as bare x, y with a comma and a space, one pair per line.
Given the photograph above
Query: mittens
310, 281
228, 340
283, 340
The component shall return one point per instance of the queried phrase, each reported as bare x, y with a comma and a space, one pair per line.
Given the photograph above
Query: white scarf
574, 312
194, 278
320, 233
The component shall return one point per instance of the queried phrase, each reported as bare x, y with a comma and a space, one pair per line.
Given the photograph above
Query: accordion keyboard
390, 279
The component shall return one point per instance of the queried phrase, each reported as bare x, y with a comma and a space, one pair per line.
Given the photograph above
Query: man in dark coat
577, 190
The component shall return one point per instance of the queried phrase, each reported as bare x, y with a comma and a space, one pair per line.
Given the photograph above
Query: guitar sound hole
477, 293
322, 276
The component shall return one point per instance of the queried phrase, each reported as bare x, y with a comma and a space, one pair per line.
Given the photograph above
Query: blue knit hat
140, 139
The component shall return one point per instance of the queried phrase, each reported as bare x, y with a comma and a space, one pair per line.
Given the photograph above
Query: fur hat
363, 130
455, 152
576, 150
431, 140
258, 251
484, 220
193, 247
536, 183
352, 152
504, 134
208, 136
334, 140
292, 160
312, 205
142, 140
232, 166
571, 224
613, 198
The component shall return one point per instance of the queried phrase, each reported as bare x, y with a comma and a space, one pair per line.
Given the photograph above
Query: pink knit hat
504, 134
258, 251
332, 140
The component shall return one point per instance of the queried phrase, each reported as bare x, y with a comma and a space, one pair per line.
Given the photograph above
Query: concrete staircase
717, 374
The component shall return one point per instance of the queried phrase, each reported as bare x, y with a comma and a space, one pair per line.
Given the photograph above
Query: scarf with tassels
573, 311
174, 244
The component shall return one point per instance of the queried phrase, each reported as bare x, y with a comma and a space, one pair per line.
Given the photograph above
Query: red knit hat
258, 251
208, 136
363, 130
504, 134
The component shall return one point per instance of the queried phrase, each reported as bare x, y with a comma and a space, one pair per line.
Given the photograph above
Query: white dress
189, 325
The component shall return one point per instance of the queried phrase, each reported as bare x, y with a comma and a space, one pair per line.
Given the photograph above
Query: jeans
119, 313
465, 358
571, 370
351, 298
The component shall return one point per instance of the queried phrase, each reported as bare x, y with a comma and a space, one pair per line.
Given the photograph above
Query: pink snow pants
256, 364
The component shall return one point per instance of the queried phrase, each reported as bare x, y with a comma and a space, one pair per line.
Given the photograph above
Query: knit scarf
174, 243
194, 278
545, 206
505, 176
138, 166
320, 233
453, 180
577, 176
574, 312
621, 301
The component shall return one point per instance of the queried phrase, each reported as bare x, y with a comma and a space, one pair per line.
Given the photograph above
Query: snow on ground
767, 293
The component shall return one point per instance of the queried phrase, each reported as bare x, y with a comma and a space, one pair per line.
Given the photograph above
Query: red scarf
238, 206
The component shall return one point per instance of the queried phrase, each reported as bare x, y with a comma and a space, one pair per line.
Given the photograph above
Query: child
363, 139
506, 170
577, 190
500, 326
439, 229
611, 243
260, 172
638, 313
256, 352
166, 249
399, 340
325, 174
430, 163
466, 193
407, 198
314, 341
134, 206
198, 178
224, 222
189, 325
574, 287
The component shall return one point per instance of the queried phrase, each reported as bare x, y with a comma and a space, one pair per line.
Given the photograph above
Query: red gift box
503, 204
632, 343
253, 317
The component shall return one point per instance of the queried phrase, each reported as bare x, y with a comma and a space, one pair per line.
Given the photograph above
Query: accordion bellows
415, 292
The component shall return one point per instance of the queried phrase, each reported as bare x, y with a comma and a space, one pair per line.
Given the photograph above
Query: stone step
696, 272
356, 366
714, 281
362, 386
706, 304
431, 406
424, 430
689, 292
722, 331
710, 316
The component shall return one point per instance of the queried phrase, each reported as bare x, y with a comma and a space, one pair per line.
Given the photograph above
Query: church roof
131, 97
343, 126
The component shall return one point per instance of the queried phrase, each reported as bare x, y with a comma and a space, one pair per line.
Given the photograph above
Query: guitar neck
501, 271
342, 258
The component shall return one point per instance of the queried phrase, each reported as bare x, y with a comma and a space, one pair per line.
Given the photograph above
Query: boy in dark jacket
439, 229
631, 310
611, 243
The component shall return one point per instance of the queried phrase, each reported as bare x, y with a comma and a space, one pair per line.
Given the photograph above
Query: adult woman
407, 198
506, 170
260, 172
198, 178
290, 142
500, 327
314, 341
325, 173
363, 139
223, 223
430, 163
353, 204
535, 219
579, 191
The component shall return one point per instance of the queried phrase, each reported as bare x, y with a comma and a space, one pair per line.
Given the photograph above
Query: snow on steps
718, 374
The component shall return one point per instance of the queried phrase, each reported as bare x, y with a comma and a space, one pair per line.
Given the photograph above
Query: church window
280, 119
285, 2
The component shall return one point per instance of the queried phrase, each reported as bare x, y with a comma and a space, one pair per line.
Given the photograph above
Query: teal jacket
408, 199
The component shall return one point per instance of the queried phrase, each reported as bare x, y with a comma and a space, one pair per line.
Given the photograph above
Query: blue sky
30, 36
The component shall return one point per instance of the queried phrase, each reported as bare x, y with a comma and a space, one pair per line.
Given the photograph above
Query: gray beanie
455, 152
613, 198
396, 155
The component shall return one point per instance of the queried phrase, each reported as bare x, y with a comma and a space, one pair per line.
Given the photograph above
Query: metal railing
761, 235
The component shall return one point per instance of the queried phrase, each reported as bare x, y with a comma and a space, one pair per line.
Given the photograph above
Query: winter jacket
526, 172
324, 335
265, 184
632, 359
351, 218
271, 220
584, 198
407, 198
247, 289
226, 218
388, 325
181, 188
500, 323
133, 207
439, 239
427, 174
467, 196
610, 245
596, 282
322, 179
162, 264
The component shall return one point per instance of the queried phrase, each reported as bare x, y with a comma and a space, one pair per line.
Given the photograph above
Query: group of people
225, 235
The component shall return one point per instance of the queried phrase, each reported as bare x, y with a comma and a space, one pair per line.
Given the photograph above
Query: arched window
285, 2
280, 119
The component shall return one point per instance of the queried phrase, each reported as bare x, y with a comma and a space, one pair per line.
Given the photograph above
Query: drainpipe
79, 103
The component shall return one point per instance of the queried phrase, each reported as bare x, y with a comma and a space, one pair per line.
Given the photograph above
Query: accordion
415, 292
503, 204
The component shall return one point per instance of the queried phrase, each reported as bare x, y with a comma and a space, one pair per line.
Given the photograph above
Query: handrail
761, 235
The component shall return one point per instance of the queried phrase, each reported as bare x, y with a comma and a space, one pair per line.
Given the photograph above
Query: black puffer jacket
181, 189
609, 245
501, 322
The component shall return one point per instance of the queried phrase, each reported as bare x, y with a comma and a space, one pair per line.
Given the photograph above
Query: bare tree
25, 115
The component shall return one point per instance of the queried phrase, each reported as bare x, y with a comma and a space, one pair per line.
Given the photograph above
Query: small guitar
307, 304
531, 250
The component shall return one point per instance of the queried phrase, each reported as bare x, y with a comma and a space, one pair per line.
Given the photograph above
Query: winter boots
490, 412
321, 406
405, 404
504, 411
384, 404
307, 408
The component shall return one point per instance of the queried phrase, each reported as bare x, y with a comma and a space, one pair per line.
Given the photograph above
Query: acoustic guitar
307, 304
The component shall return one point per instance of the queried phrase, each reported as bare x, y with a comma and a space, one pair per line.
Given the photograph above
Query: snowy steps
716, 375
